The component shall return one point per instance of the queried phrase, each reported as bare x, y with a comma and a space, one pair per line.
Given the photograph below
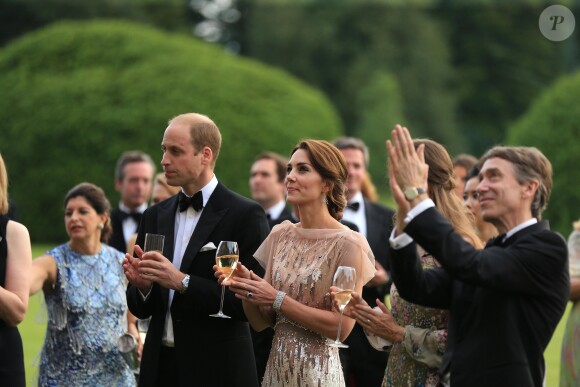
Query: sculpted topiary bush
75, 95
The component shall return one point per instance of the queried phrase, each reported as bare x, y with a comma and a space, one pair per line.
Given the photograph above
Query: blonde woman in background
570, 361
15, 261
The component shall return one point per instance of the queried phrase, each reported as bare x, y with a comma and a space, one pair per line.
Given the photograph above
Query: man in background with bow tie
133, 180
362, 364
184, 345
504, 301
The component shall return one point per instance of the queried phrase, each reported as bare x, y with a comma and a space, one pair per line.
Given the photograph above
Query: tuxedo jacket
505, 301
117, 239
379, 227
209, 351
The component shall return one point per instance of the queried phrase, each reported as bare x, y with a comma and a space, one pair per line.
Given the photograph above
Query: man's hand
131, 269
407, 168
156, 268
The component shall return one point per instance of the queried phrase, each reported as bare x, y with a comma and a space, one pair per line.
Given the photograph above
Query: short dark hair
128, 157
97, 199
353, 143
280, 161
464, 160
529, 164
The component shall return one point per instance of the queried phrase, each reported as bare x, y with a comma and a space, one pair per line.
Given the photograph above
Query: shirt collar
139, 209
520, 227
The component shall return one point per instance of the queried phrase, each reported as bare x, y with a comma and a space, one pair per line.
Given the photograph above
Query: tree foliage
551, 125
76, 95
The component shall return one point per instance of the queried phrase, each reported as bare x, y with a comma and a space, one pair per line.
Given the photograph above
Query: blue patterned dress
86, 315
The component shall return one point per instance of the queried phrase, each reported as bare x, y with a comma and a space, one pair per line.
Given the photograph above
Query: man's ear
207, 154
118, 185
529, 189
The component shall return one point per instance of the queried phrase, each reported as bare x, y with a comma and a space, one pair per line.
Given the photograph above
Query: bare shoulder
17, 230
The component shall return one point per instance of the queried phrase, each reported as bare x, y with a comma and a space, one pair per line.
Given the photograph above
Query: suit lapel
212, 213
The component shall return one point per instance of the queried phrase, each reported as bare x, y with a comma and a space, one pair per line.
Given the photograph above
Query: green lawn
32, 330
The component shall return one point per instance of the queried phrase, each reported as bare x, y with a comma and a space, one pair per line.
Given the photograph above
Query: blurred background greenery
83, 81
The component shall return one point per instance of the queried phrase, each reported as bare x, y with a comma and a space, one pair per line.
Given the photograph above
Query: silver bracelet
278, 301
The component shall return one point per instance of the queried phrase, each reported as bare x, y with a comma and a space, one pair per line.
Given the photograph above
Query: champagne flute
226, 258
345, 279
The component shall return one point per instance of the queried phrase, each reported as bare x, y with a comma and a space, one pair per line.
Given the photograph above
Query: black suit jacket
117, 238
505, 301
203, 345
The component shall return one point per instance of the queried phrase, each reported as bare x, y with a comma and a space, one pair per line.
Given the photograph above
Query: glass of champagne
154, 242
345, 279
226, 259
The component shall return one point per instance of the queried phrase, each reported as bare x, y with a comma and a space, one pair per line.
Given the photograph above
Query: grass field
32, 330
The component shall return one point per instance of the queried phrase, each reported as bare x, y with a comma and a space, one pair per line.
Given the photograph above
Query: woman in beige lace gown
300, 261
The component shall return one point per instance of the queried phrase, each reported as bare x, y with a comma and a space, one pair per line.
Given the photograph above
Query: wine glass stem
339, 325
222, 300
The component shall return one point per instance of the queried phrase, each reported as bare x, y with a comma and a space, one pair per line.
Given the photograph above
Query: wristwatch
412, 193
184, 284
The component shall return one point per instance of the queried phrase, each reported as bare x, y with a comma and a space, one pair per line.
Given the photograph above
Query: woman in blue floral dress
84, 289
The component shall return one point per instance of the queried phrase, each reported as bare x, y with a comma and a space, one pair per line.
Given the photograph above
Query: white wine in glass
226, 259
345, 279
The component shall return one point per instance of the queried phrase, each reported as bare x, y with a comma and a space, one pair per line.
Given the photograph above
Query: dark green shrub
552, 125
76, 95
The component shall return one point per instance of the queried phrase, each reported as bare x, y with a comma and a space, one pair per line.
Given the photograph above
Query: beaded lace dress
302, 263
86, 315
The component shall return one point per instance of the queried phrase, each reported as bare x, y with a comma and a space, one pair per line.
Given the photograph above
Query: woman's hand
240, 271
355, 299
380, 322
253, 289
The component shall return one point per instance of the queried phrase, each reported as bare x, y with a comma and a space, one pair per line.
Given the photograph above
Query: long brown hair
441, 184
329, 162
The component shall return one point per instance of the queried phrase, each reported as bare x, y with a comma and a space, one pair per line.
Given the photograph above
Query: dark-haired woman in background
84, 288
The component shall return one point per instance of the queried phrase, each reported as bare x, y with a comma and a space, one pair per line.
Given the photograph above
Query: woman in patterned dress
84, 289
418, 334
300, 261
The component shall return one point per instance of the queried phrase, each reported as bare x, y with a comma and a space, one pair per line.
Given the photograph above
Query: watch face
411, 193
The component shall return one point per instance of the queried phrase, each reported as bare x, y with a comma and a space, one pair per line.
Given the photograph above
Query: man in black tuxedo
267, 186
184, 345
362, 364
506, 300
133, 180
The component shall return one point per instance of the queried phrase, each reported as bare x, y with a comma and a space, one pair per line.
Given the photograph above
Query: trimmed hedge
551, 125
75, 95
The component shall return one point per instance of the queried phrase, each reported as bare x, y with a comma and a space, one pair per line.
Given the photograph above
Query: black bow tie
196, 201
353, 206
497, 241
135, 215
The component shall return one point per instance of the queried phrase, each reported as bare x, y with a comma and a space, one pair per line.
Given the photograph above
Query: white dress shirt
357, 217
276, 210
